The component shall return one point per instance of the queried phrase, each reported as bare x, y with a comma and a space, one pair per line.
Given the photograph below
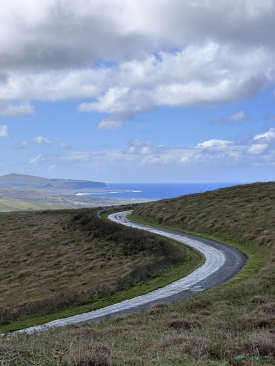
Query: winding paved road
221, 263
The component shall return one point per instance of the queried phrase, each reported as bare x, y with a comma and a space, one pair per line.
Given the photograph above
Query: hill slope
244, 213
55, 260
232, 324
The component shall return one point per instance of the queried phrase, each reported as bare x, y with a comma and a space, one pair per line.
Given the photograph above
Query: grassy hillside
232, 324
245, 213
57, 260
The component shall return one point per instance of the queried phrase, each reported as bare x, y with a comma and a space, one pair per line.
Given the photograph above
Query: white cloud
64, 145
214, 143
55, 33
42, 140
114, 121
238, 116
266, 136
23, 143
184, 78
257, 149
106, 124
214, 152
20, 145
37, 160
141, 160
4, 131
11, 110
235, 117
129, 57
137, 146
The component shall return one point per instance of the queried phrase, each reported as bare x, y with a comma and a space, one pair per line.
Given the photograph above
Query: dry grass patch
260, 344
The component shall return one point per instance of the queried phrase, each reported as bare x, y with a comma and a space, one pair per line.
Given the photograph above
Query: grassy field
232, 324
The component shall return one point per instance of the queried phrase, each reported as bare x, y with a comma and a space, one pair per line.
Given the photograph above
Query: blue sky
123, 91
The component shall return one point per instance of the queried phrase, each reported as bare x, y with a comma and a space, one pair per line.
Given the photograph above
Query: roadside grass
102, 279
244, 214
256, 256
230, 325
211, 328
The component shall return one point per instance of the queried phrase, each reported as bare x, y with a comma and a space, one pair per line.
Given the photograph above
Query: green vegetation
232, 324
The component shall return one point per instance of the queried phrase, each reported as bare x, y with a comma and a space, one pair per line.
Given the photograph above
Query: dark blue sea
155, 191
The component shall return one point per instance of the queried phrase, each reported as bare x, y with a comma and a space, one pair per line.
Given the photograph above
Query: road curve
221, 263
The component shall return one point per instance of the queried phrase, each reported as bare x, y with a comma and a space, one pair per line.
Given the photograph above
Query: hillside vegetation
245, 213
232, 324
52, 260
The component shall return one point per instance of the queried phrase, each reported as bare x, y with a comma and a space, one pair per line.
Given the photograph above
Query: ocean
154, 191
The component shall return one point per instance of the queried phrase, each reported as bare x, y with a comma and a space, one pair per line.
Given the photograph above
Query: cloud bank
11, 110
124, 57
217, 153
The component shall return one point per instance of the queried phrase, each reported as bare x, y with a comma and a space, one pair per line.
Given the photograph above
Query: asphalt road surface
222, 262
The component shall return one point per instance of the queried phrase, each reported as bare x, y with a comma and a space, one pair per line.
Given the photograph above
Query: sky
138, 91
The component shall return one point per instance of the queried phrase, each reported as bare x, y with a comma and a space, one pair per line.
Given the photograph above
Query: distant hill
20, 181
